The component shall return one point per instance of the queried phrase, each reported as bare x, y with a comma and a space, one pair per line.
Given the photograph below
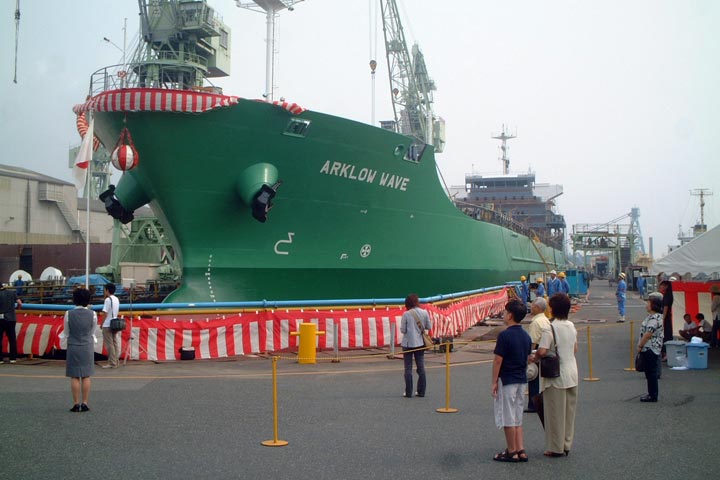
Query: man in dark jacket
8, 302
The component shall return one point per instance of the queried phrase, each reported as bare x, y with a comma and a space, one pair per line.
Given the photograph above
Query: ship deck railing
499, 218
59, 293
119, 76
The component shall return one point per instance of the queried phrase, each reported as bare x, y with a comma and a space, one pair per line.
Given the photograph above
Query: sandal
522, 456
506, 456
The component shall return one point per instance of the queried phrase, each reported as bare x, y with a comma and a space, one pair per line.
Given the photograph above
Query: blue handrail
264, 304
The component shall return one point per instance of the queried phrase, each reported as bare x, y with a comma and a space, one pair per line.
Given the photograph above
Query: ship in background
516, 201
263, 199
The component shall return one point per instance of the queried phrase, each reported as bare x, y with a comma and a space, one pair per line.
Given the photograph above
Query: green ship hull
352, 217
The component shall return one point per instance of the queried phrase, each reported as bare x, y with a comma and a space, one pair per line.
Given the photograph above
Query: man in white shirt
690, 329
538, 323
698, 328
111, 309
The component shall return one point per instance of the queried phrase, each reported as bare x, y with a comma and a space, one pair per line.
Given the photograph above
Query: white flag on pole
84, 157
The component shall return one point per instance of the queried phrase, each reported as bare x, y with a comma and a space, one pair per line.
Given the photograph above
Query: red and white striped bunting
163, 100
161, 338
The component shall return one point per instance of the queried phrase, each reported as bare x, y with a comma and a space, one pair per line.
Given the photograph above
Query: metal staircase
50, 193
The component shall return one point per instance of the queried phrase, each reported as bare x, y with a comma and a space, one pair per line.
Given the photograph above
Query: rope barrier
392, 354
275, 442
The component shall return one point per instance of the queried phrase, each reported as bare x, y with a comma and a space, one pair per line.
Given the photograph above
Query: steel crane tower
410, 85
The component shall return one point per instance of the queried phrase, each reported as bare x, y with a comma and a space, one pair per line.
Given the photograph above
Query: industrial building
43, 223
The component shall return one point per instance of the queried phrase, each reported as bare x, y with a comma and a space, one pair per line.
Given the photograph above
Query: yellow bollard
275, 442
446, 408
308, 334
589, 341
631, 368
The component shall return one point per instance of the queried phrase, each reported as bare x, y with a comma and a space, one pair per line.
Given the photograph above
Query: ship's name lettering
348, 170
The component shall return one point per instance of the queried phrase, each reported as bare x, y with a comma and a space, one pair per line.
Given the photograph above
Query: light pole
122, 50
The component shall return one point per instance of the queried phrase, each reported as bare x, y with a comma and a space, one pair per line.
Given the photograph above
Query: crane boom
410, 85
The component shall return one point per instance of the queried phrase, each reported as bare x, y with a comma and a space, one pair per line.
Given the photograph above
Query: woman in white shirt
79, 328
560, 394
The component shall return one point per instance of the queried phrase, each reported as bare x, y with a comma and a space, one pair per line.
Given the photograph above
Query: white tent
51, 274
699, 258
17, 273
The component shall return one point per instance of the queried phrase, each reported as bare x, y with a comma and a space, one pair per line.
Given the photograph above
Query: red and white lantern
124, 157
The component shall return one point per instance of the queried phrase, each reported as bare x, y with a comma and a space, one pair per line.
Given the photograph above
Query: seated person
698, 328
690, 329
705, 327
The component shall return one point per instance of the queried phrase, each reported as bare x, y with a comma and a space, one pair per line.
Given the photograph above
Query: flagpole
87, 211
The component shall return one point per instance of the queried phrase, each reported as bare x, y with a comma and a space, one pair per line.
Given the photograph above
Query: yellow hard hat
561, 274
522, 278
539, 280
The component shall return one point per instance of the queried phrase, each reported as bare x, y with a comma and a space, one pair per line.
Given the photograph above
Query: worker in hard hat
620, 295
524, 289
564, 285
540, 292
553, 285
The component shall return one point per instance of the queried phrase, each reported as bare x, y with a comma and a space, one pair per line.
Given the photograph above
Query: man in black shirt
8, 302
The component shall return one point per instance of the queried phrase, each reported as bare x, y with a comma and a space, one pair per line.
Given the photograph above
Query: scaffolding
620, 239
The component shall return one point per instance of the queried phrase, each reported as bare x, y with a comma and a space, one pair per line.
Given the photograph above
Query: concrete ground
348, 420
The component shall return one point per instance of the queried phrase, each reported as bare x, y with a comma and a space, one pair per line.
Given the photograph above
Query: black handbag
639, 362
117, 324
550, 366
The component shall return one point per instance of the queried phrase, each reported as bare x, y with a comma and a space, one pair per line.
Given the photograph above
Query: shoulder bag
117, 324
427, 341
550, 366
639, 362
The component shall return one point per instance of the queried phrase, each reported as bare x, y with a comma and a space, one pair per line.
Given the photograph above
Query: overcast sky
616, 100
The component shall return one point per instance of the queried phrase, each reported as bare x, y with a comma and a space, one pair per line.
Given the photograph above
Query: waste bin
676, 353
697, 353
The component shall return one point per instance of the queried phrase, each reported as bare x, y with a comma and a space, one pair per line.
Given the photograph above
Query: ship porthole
399, 150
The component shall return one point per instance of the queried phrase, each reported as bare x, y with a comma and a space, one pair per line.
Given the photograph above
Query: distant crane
410, 84
623, 242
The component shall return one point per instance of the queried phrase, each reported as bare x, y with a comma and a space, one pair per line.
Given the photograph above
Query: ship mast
504, 136
271, 9
410, 85
702, 193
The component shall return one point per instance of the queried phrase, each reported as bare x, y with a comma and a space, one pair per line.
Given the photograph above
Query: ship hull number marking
280, 242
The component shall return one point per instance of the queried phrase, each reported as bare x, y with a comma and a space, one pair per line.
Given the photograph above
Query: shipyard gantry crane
410, 85
623, 242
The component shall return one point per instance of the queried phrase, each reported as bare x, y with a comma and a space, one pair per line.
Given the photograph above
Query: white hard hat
553, 272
